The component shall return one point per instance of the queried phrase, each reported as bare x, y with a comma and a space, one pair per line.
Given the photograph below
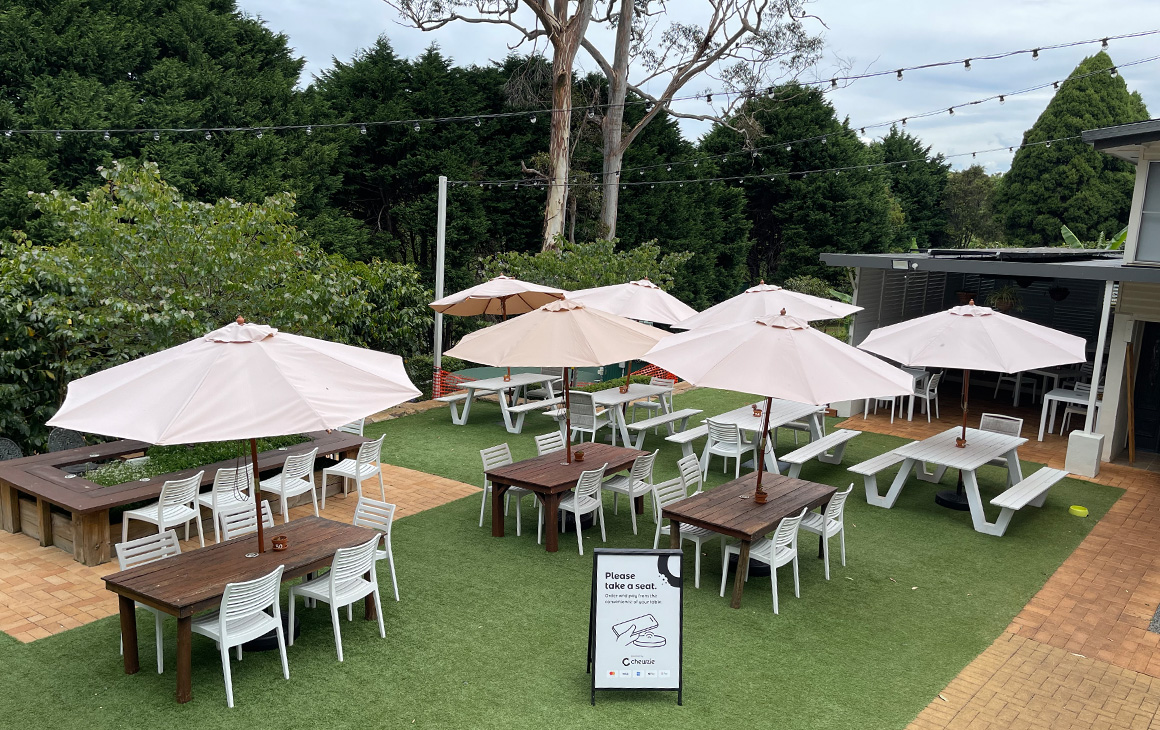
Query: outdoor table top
636, 391
549, 473
982, 447
1069, 395
782, 412
723, 510
517, 380
40, 475
195, 581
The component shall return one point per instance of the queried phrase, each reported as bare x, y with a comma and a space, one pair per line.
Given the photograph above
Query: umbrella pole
957, 498
257, 495
567, 419
759, 493
961, 441
503, 318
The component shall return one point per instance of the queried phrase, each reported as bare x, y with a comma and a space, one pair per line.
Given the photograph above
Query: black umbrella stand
957, 498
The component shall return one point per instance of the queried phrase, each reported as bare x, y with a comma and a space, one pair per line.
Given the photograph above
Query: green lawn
492, 633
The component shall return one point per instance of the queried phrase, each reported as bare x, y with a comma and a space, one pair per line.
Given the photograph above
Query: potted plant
1005, 299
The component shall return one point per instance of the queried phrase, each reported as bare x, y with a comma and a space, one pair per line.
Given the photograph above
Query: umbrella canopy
502, 295
561, 334
241, 381
764, 300
975, 338
641, 300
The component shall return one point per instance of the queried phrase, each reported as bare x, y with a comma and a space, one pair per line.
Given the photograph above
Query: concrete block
1083, 453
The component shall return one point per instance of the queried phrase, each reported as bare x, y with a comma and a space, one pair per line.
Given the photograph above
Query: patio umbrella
243, 381
970, 337
764, 300
641, 300
563, 334
777, 356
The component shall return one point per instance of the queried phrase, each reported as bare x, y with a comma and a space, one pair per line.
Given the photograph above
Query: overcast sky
878, 35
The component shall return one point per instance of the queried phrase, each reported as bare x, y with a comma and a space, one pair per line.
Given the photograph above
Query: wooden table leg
497, 493
674, 534
370, 604
742, 571
638, 504
9, 508
552, 522
129, 634
184, 659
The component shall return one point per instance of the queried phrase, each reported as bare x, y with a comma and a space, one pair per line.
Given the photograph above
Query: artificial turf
492, 632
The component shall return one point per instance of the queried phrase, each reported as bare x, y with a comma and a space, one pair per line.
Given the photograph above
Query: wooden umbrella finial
241, 319
783, 311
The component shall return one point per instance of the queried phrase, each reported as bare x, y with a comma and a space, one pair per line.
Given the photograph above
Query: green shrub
168, 459
614, 383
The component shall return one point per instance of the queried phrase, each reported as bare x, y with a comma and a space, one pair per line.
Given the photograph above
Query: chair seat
240, 630
765, 551
224, 499
349, 468
622, 484
289, 488
814, 522
692, 533
173, 514
348, 592
586, 505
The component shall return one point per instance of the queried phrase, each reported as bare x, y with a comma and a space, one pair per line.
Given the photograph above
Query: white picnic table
517, 385
1053, 398
782, 412
615, 401
1053, 374
941, 451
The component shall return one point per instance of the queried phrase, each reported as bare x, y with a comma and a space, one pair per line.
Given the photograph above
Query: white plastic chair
675, 490
548, 443
877, 402
1078, 409
355, 427
149, 549
364, 466
345, 583
378, 515
231, 487
1014, 380
585, 416
775, 552
585, 499
929, 395
654, 404
492, 457
997, 423
177, 506
297, 477
248, 610
637, 483
829, 523
239, 519
725, 441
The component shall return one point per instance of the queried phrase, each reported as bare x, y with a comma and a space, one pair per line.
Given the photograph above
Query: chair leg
200, 531
483, 504
773, 580
579, 534
379, 611
826, 550
616, 503
724, 571
278, 631
519, 517
395, 582
160, 644
314, 498
842, 540
382, 484
697, 565
124, 529
285, 509
600, 514
162, 529
226, 674
337, 633
217, 536
290, 619
539, 524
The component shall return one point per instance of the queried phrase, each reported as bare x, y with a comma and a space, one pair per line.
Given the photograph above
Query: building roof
1123, 140
1039, 263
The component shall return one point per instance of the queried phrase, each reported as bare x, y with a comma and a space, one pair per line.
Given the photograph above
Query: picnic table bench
687, 437
669, 420
818, 448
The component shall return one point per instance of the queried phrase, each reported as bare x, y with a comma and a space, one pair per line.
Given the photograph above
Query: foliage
968, 203
1069, 182
585, 265
1103, 243
421, 370
918, 184
1006, 298
613, 383
168, 459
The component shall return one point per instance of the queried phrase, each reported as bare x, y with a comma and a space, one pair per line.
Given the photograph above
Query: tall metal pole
440, 247
1098, 359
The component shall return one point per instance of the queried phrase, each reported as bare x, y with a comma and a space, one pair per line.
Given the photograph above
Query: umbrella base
952, 499
269, 642
757, 569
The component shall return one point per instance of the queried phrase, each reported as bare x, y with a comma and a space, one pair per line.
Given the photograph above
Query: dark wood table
550, 477
723, 510
195, 581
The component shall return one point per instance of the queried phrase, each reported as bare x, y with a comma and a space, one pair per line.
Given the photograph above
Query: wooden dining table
550, 478
730, 510
191, 582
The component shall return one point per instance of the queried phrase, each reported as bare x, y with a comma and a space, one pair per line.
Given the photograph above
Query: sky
870, 36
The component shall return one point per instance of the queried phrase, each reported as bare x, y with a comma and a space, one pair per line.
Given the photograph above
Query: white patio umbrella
563, 334
641, 300
764, 300
243, 381
778, 356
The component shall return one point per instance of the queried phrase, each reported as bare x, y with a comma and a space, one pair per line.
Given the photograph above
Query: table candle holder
280, 543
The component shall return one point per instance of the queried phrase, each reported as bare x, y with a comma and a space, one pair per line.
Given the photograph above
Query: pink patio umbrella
970, 337
243, 381
562, 334
777, 356
641, 300
766, 299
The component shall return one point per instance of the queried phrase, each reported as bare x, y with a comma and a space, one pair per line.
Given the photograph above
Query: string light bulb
157, 136
1001, 99
1055, 84
309, 130
967, 64
591, 114
477, 122
1034, 54
8, 133
823, 140
1047, 144
669, 168
1104, 44
362, 129
904, 121
708, 98
789, 148
532, 119
107, 136
416, 127
1112, 72
58, 136
833, 83
208, 136
951, 111
899, 74
259, 135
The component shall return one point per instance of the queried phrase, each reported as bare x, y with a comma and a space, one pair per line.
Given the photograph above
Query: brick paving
43, 591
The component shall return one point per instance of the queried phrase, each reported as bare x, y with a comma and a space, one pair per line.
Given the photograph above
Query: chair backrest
642, 468
667, 492
371, 451
787, 530
1086, 371
9, 450
299, 466
932, 384
355, 427
61, 439
231, 480
723, 433
1083, 388
837, 506
690, 468
997, 423
180, 491
582, 410
147, 549
352, 562
666, 382
375, 514
499, 455
239, 519
589, 483
241, 600
547, 443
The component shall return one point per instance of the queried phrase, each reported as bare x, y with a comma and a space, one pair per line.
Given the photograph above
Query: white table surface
782, 412
1054, 374
1052, 398
615, 401
518, 381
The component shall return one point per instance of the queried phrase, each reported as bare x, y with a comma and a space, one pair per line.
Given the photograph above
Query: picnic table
730, 510
941, 451
195, 581
516, 385
1054, 374
1055, 396
781, 412
615, 401
550, 478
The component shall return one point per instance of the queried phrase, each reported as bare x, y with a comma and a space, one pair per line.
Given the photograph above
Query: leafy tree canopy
968, 204
585, 265
917, 182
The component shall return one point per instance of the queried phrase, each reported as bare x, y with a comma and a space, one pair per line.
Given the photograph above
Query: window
1148, 242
